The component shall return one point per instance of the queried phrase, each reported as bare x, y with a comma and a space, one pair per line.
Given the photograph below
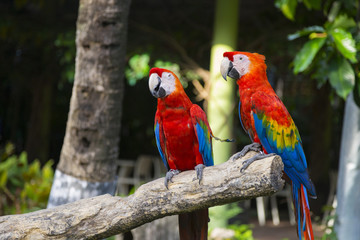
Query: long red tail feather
308, 233
301, 207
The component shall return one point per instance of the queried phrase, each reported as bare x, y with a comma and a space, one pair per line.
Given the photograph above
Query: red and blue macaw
270, 127
183, 137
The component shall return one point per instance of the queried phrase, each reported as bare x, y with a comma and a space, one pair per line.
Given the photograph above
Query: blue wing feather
293, 157
242, 125
205, 147
203, 134
158, 144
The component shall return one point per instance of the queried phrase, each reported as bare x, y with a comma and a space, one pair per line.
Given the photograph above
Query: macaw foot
199, 171
169, 176
259, 156
251, 147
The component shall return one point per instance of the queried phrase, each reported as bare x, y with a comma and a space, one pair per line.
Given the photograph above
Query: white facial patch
241, 63
168, 82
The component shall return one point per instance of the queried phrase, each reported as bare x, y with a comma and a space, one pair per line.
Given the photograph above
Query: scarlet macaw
270, 127
183, 137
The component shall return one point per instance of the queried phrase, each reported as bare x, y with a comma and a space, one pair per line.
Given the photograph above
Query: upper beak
227, 69
155, 86
224, 67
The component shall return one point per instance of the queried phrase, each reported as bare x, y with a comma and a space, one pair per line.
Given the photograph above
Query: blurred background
37, 65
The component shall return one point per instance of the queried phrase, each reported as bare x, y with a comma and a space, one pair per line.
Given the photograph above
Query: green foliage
65, 43
242, 232
306, 55
332, 51
288, 8
24, 187
341, 76
232, 210
345, 43
329, 232
139, 66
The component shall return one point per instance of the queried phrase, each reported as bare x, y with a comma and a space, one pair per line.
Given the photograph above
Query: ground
281, 232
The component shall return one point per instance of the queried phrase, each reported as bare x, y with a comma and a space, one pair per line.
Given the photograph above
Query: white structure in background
347, 224
131, 175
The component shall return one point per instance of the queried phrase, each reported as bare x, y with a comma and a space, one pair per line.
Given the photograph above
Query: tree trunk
348, 194
221, 103
90, 148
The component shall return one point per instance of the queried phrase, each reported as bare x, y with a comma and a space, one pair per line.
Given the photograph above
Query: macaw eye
241, 58
169, 75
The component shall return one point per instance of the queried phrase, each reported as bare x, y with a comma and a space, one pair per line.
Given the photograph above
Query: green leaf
341, 76
305, 31
9, 149
306, 55
288, 8
34, 169
321, 69
3, 179
23, 159
334, 10
313, 4
344, 43
8, 164
138, 68
343, 21
47, 171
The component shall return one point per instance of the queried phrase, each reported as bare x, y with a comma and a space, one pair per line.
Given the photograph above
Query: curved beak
227, 69
155, 86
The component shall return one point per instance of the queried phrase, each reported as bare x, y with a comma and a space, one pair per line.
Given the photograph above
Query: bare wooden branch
105, 215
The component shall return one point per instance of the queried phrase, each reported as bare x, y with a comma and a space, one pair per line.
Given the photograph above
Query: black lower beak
233, 73
227, 69
160, 93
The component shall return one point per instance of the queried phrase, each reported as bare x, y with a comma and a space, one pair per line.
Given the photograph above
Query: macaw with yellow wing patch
270, 127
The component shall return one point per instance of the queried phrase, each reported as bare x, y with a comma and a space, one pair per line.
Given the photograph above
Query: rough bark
92, 133
103, 216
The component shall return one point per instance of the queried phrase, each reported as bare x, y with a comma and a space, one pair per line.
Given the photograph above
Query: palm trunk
221, 102
91, 143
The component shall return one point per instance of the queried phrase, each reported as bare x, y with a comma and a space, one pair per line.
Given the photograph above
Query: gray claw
258, 156
169, 176
199, 171
251, 147
235, 156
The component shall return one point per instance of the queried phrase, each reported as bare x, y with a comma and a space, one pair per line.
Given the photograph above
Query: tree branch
105, 215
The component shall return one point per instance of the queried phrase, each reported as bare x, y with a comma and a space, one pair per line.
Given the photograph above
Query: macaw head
163, 82
238, 64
